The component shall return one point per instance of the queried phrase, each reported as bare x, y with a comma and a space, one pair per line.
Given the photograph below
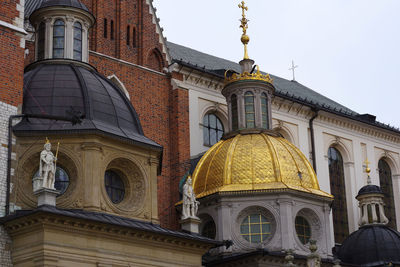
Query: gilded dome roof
257, 161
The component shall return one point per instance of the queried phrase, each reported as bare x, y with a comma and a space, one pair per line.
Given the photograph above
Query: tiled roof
184, 54
291, 90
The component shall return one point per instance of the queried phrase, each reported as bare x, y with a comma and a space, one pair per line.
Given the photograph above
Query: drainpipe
75, 118
311, 124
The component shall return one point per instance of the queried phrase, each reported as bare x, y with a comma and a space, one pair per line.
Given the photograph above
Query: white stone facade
5, 241
355, 140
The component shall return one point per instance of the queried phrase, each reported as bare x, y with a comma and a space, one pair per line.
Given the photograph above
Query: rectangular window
128, 34
105, 28
112, 30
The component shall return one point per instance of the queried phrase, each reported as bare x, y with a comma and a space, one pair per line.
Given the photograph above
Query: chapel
156, 154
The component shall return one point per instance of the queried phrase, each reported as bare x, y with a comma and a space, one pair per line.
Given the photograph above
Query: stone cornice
295, 109
43, 220
12, 27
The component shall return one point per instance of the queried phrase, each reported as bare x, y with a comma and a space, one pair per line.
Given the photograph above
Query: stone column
69, 38
287, 226
48, 41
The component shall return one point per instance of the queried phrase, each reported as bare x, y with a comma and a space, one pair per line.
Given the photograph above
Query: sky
347, 50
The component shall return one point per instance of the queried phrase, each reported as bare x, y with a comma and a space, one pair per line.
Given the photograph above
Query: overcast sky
347, 50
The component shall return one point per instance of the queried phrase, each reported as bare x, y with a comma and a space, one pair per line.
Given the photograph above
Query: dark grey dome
371, 245
369, 189
56, 87
66, 3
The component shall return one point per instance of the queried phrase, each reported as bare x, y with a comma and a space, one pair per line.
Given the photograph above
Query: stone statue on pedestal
190, 204
47, 168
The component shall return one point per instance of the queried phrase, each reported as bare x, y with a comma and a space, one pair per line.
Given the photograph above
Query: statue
47, 166
190, 204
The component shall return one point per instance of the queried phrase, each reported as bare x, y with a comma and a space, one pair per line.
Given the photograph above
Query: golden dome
258, 162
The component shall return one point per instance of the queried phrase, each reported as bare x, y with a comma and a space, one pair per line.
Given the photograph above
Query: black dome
55, 87
371, 245
369, 189
67, 3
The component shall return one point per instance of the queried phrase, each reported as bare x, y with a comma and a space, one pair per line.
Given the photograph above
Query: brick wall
163, 112
11, 84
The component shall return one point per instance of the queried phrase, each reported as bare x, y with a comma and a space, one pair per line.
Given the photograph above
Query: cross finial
292, 69
367, 170
243, 24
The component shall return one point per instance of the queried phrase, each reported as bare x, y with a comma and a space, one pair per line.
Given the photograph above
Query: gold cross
243, 7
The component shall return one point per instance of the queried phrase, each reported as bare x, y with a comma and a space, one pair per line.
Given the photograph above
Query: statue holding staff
47, 166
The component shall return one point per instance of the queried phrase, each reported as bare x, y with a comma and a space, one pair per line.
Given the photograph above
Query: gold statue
243, 24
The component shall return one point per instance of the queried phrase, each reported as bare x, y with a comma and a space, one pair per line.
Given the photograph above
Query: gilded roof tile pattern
254, 162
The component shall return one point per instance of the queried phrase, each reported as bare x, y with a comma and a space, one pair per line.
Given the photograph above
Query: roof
108, 219
254, 162
62, 87
32, 5
291, 90
369, 189
371, 245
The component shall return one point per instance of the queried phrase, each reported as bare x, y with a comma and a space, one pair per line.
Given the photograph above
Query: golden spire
243, 24
367, 170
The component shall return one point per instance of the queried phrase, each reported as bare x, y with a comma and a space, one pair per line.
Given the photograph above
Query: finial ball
245, 39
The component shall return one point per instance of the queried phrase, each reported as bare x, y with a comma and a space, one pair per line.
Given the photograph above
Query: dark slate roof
32, 5
56, 87
371, 245
291, 90
109, 219
283, 86
369, 189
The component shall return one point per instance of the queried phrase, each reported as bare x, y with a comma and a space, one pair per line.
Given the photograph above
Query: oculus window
255, 228
212, 129
58, 39
61, 182
303, 229
114, 186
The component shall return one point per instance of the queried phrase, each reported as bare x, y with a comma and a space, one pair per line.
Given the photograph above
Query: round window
209, 230
255, 228
303, 229
61, 182
114, 186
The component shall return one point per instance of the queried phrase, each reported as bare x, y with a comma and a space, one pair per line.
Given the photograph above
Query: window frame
56, 37
80, 41
207, 128
249, 110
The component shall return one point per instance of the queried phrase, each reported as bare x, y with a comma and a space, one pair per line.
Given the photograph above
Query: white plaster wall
356, 146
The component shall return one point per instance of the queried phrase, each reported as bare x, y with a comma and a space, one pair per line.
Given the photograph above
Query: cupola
248, 93
62, 28
374, 244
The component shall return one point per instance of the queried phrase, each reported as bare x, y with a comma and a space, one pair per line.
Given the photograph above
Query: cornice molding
45, 220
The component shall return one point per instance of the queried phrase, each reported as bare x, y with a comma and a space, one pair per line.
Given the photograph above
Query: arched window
128, 34
77, 41
209, 230
385, 182
41, 37
212, 129
234, 105
264, 110
249, 109
58, 39
339, 206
